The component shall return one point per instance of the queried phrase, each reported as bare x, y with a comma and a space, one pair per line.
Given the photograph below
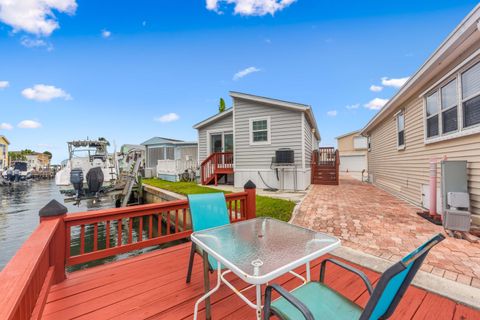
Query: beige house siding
403, 172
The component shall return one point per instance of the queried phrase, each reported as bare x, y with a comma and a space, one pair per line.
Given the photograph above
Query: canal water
19, 207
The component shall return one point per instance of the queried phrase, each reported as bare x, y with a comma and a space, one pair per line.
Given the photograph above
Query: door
228, 142
216, 144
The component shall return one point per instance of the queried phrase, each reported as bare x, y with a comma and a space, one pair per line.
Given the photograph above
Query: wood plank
466, 313
435, 307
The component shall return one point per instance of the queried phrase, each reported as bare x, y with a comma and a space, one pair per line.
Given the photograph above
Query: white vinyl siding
285, 132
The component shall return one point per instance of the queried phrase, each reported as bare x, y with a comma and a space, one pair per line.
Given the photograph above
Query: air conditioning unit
455, 197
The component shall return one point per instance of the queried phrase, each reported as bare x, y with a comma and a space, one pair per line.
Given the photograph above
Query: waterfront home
167, 158
435, 114
352, 148
240, 143
38, 161
4, 143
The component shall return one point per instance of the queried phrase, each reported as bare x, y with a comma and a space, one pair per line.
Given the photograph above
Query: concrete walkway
372, 221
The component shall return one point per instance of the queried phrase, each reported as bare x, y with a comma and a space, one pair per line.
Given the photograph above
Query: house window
170, 153
260, 130
400, 130
449, 107
453, 108
432, 115
471, 96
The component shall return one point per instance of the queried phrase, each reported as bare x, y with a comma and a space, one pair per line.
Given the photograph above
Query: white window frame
455, 74
250, 129
402, 146
442, 111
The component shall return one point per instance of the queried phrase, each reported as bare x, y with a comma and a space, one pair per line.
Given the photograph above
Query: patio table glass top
258, 250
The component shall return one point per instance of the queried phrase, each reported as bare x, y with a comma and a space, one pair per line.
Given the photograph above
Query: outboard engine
76, 179
10, 175
16, 175
95, 180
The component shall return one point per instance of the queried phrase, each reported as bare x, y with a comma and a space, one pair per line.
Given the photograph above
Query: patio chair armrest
299, 305
348, 268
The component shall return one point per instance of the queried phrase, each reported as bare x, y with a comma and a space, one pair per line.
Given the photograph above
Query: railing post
57, 249
251, 203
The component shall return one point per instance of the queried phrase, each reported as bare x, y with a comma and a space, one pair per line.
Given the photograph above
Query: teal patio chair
207, 211
315, 300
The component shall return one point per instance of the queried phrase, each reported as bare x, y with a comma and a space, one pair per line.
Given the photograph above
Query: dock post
55, 210
251, 203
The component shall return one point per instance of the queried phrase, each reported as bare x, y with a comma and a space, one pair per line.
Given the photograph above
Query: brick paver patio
373, 221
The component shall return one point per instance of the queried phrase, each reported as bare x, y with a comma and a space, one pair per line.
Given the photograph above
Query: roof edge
213, 118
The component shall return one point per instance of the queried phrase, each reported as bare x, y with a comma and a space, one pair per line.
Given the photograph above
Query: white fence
175, 166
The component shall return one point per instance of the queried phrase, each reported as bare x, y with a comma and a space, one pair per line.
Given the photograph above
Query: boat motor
95, 180
16, 175
76, 179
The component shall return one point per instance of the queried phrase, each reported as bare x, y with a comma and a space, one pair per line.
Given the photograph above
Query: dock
35, 284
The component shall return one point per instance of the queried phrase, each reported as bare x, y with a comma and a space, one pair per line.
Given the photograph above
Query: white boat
19, 171
89, 168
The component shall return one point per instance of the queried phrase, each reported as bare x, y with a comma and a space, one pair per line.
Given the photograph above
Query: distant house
435, 114
38, 161
166, 158
240, 143
4, 143
352, 148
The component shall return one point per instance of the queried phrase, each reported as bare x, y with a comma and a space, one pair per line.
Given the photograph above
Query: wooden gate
325, 163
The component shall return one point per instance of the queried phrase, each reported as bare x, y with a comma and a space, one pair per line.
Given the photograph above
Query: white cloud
353, 106
250, 7
29, 124
375, 88
242, 73
5, 126
106, 34
396, 83
36, 43
169, 117
4, 84
376, 104
34, 16
332, 113
42, 92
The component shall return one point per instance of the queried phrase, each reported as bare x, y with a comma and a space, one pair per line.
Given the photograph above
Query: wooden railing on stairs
41, 261
216, 164
325, 165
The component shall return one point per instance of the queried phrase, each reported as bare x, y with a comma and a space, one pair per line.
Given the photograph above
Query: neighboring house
4, 143
38, 161
435, 114
166, 158
353, 152
246, 137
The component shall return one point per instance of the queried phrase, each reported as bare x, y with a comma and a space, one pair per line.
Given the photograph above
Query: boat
89, 169
19, 171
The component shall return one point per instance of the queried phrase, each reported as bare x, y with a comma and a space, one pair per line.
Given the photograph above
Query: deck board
152, 286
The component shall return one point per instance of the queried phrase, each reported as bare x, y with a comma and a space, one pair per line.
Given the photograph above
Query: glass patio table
258, 251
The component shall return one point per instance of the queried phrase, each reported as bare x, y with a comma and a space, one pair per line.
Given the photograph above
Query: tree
221, 106
49, 154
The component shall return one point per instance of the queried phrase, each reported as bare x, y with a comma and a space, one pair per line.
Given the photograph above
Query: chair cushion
323, 303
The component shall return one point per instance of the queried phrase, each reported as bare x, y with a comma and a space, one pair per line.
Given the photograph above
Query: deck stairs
216, 166
325, 164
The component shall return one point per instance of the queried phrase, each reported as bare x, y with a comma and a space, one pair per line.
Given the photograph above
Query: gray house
241, 143
166, 158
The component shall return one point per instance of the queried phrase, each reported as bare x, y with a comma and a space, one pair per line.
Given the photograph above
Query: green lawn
266, 206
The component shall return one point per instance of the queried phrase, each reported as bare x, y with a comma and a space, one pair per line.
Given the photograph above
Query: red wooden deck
152, 286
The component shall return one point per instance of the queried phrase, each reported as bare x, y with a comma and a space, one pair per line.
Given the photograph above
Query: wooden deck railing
41, 261
325, 165
216, 163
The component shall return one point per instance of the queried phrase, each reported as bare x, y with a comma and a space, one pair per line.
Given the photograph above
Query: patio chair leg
190, 262
206, 284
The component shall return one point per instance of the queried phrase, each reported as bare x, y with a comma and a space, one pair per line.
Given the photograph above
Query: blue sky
129, 71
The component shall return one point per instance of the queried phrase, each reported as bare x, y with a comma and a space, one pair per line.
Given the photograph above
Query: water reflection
19, 206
